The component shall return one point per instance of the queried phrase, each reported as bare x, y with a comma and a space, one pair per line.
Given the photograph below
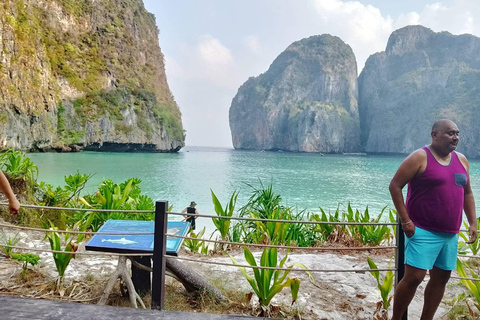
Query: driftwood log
193, 282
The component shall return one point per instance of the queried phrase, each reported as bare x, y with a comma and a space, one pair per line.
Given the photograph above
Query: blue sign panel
132, 243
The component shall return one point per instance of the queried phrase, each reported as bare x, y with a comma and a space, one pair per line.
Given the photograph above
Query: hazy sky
212, 47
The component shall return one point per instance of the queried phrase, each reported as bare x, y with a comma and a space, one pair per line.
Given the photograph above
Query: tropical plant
65, 244
263, 204
123, 196
26, 258
223, 225
327, 230
51, 196
384, 284
17, 165
194, 245
474, 247
473, 287
7, 241
263, 201
369, 234
266, 283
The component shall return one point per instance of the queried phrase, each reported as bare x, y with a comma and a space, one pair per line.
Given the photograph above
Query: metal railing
160, 239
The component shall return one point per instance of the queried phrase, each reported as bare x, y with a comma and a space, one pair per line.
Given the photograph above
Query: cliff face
306, 101
422, 76
84, 74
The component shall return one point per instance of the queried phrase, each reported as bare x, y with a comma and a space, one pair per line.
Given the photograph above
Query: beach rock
422, 76
306, 101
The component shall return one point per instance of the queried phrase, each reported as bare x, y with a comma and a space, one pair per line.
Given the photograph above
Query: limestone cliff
84, 74
422, 76
306, 101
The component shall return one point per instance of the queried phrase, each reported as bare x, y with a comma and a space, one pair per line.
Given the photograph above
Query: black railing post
400, 259
159, 250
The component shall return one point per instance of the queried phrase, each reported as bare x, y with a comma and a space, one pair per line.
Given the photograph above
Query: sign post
159, 250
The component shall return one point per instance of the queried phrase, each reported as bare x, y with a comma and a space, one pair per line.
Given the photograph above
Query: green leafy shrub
266, 283
384, 283
195, 245
223, 225
473, 287
7, 241
18, 166
26, 258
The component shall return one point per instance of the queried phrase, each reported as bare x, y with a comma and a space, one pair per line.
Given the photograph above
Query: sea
305, 181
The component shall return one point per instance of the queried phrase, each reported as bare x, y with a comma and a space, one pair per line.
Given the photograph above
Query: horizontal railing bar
280, 247
79, 209
73, 232
77, 252
288, 221
275, 268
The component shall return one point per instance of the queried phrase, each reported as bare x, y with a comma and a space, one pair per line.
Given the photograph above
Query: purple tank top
435, 197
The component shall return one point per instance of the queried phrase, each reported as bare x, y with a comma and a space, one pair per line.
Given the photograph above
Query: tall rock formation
84, 74
422, 76
306, 101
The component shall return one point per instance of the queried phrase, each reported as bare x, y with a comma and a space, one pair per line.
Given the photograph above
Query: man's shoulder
460, 155
419, 154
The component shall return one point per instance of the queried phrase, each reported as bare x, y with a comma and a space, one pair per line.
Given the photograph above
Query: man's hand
13, 206
409, 228
472, 233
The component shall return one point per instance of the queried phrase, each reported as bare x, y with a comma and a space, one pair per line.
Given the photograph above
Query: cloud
361, 26
457, 17
213, 52
252, 43
208, 60
215, 63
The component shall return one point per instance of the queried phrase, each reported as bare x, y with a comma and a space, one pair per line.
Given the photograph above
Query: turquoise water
306, 181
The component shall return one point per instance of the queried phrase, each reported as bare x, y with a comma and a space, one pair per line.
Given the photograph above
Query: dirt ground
333, 295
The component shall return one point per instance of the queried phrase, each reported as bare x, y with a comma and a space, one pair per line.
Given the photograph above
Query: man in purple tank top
438, 193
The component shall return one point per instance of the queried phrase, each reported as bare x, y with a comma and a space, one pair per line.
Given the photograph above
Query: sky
211, 47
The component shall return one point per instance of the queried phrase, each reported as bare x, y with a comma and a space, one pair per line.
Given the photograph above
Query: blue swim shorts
426, 249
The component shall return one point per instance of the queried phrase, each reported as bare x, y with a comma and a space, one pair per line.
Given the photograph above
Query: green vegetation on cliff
102, 57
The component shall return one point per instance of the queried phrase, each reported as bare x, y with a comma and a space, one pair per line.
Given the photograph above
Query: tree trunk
192, 281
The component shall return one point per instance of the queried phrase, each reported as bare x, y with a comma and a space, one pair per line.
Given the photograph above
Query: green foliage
264, 203
223, 225
62, 260
367, 234
18, 166
8, 240
472, 286
384, 283
26, 258
266, 283
474, 247
326, 231
195, 245
123, 196
77, 8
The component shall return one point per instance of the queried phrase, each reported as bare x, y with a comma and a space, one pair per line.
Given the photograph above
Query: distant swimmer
191, 210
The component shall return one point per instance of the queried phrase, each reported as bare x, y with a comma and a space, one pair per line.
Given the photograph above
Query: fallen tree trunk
192, 281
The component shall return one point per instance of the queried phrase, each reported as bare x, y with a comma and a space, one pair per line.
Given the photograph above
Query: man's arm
13, 204
183, 212
406, 171
469, 203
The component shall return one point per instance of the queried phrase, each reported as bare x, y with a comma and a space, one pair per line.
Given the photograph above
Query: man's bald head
439, 124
